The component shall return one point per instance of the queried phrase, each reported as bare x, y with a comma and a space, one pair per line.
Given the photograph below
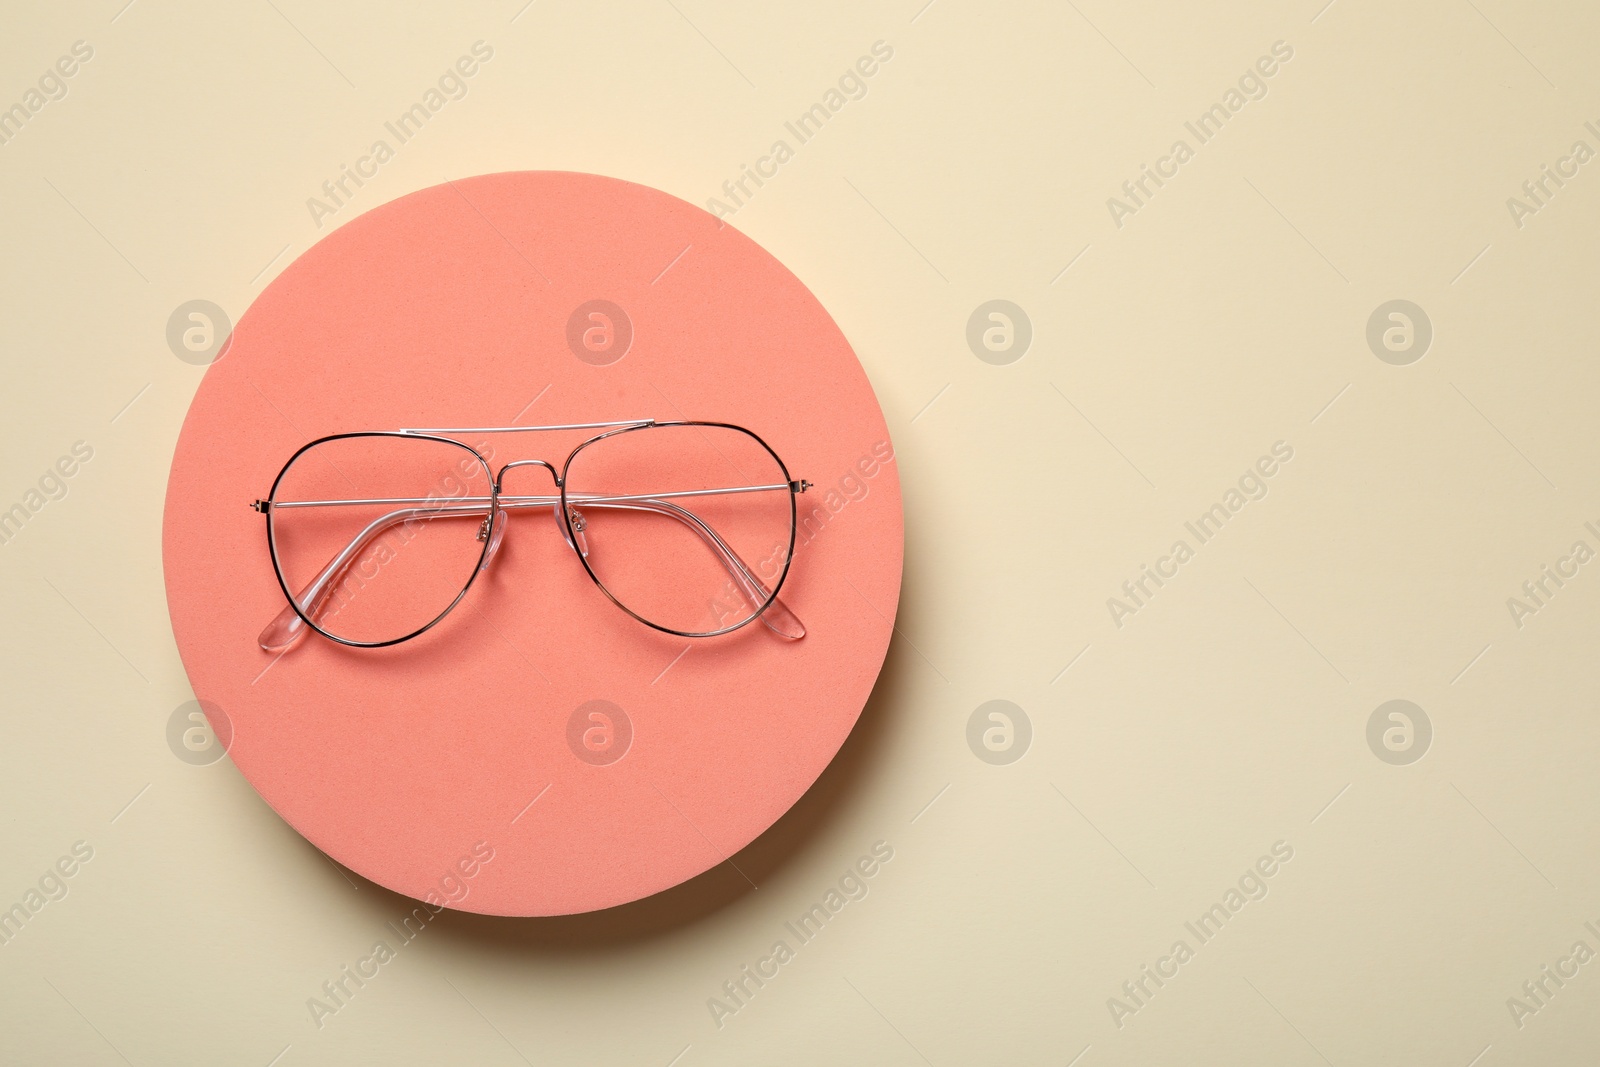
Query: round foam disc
453, 767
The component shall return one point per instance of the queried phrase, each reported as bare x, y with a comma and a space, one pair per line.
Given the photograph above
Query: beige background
1167, 755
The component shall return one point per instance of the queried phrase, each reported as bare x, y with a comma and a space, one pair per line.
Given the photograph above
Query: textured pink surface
449, 307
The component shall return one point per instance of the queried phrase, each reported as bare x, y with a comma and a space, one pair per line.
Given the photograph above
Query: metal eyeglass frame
290, 625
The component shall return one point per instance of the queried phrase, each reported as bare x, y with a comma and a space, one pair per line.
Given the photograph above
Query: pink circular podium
452, 768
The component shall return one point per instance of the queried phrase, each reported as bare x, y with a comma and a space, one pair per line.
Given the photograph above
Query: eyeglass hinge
799, 487
260, 505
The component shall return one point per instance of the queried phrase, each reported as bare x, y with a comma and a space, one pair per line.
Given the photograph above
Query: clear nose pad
576, 540
492, 536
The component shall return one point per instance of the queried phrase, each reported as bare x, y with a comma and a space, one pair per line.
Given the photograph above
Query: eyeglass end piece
799, 487
259, 505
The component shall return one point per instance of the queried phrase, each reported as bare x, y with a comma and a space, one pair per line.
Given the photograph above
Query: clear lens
687, 527
377, 535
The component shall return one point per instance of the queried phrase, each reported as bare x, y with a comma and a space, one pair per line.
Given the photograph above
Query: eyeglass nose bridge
499, 479
581, 547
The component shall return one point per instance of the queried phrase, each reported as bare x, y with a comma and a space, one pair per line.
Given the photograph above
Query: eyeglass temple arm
778, 617
285, 630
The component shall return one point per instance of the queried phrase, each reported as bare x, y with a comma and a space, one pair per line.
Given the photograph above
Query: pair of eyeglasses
376, 536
